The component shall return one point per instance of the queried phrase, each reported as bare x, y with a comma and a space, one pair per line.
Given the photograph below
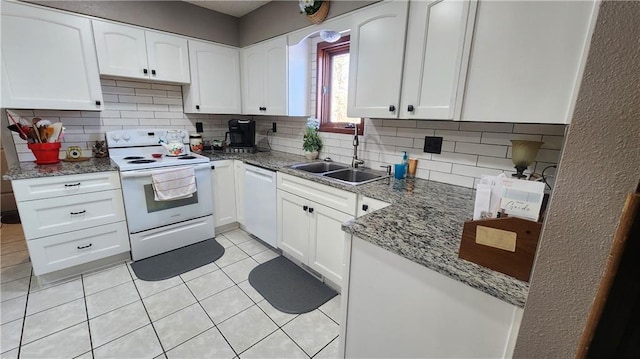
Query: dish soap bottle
405, 162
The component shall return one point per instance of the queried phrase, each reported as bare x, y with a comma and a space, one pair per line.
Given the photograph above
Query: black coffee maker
242, 135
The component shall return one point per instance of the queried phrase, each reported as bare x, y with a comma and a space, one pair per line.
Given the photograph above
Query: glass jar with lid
195, 142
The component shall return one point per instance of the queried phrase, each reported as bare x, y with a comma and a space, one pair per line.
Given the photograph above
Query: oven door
144, 212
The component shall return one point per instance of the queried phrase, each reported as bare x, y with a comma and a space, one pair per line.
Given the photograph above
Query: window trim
325, 51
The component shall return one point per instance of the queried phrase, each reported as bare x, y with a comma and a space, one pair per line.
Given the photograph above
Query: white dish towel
174, 183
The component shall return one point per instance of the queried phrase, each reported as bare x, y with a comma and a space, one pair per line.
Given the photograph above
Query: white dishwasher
260, 203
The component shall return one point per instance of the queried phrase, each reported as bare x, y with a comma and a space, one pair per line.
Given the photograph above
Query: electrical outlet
432, 144
199, 128
273, 127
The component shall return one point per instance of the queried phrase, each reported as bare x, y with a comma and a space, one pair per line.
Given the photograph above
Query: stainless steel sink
340, 173
319, 167
355, 176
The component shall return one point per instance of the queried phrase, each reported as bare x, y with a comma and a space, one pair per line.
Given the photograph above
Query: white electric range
159, 226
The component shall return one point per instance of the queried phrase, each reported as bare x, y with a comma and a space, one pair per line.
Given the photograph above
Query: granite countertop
26, 170
423, 224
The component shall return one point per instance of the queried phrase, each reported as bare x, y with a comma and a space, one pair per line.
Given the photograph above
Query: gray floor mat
178, 261
288, 287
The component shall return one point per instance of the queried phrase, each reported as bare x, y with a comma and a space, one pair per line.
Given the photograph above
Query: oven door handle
134, 174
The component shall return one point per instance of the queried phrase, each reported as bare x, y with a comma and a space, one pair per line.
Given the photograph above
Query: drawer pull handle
72, 185
85, 247
76, 213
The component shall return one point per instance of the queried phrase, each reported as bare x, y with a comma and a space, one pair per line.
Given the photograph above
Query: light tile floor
209, 312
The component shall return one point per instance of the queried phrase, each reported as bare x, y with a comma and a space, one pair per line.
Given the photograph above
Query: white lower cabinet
224, 192
66, 250
309, 230
396, 308
238, 168
368, 205
72, 220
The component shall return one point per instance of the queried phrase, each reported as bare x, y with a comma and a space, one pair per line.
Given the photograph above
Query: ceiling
237, 8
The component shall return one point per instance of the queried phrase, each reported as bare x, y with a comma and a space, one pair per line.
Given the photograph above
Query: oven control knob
115, 137
126, 137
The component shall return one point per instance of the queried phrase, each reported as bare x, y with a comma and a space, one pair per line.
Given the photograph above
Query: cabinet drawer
368, 205
58, 215
57, 252
332, 197
58, 186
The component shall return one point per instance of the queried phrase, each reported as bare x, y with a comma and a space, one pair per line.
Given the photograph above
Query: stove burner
187, 157
141, 161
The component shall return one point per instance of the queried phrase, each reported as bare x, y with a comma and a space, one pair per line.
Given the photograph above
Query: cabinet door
48, 60
527, 60
215, 79
168, 57
376, 56
275, 94
326, 242
253, 80
293, 225
436, 40
239, 173
224, 192
121, 50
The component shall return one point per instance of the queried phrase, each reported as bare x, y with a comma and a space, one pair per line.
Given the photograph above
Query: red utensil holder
45, 153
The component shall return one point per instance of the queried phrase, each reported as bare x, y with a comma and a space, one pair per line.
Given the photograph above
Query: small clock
74, 152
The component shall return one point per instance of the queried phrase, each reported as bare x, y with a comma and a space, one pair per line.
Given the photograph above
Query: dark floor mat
10, 218
178, 261
288, 287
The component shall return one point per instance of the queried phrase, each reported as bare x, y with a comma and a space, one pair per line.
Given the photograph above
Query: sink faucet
355, 162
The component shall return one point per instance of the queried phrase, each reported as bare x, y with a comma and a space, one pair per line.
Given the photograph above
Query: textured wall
599, 166
172, 16
280, 17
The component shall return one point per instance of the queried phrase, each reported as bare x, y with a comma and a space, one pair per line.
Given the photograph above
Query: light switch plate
432, 144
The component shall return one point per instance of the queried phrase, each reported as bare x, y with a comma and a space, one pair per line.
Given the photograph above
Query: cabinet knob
197, 107
310, 210
153, 72
305, 208
98, 102
145, 71
365, 207
410, 108
262, 108
392, 108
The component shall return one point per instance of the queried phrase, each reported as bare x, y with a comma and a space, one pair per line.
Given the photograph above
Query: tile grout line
24, 315
208, 316
86, 312
129, 269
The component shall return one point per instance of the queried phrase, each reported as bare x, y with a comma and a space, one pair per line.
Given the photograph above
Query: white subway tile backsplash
474, 171
435, 166
176, 108
396, 141
167, 100
481, 149
174, 94
545, 155
109, 98
134, 84
439, 125
447, 146
486, 127
505, 138
107, 82
154, 122
166, 87
135, 99
399, 123
117, 90
451, 178
152, 107
452, 157
552, 142
414, 132
151, 92
505, 164
138, 114
539, 129
120, 106
458, 136
381, 131
109, 113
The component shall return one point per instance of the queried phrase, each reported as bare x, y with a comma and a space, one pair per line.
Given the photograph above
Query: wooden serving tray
507, 245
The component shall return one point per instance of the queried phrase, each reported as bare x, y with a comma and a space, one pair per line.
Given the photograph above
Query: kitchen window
333, 87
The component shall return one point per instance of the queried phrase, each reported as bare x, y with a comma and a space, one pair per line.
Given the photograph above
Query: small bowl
156, 155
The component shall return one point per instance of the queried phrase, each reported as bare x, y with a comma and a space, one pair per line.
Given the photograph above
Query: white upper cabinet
130, 52
215, 79
264, 78
376, 57
527, 60
48, 60
436, 53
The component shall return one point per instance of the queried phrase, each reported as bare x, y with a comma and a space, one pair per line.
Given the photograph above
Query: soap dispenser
405, 162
